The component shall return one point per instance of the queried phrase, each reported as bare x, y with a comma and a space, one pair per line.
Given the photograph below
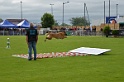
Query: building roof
16, 21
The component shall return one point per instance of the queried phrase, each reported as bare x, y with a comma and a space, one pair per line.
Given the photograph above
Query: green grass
104, 68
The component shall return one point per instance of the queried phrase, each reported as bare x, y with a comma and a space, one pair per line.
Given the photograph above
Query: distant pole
84, 16
63, 12
109, 11
116, 14
52, 8
104, 12
117, 10
63, 15
21, 9
87, 14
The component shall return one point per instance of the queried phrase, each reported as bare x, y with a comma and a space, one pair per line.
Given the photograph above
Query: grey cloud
34, 9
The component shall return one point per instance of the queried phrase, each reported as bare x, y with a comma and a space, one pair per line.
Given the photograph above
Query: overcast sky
33, 10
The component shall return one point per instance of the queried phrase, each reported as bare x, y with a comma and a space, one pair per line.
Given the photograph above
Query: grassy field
103, 68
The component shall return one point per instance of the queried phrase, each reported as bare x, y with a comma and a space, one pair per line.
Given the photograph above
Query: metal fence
68, 32
73, 32
13, 32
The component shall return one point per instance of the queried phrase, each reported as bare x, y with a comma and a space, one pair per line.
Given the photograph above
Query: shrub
115, 32
106, 30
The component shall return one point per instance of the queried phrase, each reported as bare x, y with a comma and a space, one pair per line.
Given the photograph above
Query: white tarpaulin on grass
87, 50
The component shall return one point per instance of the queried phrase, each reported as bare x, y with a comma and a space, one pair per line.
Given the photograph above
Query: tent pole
3, 32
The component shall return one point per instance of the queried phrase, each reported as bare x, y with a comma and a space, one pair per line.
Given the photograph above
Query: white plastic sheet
87, 50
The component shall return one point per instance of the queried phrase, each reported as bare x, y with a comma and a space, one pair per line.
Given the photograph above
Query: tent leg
3, 32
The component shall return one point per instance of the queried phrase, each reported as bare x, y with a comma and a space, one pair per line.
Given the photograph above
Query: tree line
47, 20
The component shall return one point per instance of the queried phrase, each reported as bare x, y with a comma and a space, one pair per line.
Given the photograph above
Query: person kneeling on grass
31, 39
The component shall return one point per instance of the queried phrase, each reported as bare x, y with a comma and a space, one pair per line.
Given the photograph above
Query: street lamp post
52, 8
117, 10
84, 15
63, 12
104, 12
116, 15
109, 10
21, 9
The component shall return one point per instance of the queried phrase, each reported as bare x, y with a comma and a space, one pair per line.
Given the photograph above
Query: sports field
108, 67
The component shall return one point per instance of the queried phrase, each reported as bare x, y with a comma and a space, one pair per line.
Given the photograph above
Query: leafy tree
47, 20
79, 21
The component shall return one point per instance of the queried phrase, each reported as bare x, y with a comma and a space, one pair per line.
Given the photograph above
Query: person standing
31, 39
